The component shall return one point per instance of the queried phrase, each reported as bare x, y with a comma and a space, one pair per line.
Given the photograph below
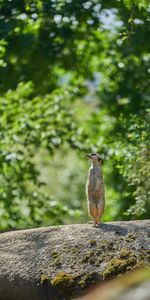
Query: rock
135, 286
60, 262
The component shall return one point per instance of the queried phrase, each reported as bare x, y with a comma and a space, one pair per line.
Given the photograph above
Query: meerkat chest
94, 173
95, 177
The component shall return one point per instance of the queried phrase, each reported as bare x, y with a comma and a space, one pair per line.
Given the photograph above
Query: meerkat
95, 188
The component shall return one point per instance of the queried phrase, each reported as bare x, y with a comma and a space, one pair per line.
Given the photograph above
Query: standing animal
95, 188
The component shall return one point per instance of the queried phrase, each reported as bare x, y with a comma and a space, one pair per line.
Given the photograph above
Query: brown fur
95, 190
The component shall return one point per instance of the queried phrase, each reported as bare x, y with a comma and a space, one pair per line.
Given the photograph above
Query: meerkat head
94, 157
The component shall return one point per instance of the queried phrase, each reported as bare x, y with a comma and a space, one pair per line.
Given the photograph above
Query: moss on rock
93, 243
63, 265
88, 257
125, 253
56, 261
63, 281
44, 278
131, 236
118, 266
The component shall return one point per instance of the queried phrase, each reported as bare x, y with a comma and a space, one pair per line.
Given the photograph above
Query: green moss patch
82, 283
56, 261
64, 281
93, 243
118, 266
131, 237
125, 253
44, 278
89, 256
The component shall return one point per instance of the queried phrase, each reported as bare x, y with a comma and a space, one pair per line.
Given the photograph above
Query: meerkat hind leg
94, 223
93, 213
100, 211
98, 220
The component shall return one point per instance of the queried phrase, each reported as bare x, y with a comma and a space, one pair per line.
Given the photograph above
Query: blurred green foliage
74, 77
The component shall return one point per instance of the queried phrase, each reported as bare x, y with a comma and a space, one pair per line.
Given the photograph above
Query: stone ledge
60, 262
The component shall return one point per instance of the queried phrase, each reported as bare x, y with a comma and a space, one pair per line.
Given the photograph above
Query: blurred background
74, 78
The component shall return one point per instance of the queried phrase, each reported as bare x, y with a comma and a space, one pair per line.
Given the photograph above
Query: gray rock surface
134, 285
60, 262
